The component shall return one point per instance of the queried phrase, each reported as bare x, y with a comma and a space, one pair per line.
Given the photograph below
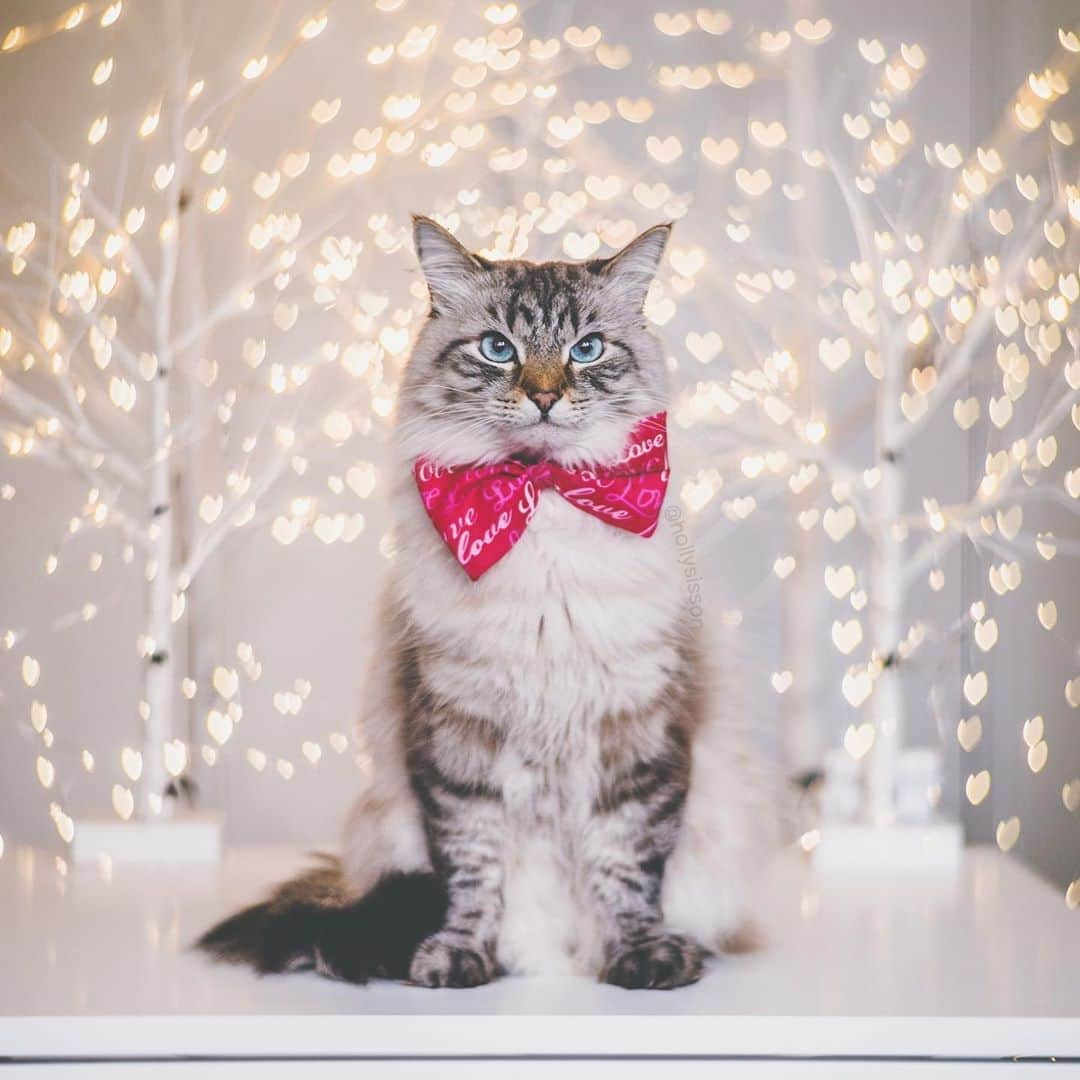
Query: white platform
934, 848
185, 838
981, 967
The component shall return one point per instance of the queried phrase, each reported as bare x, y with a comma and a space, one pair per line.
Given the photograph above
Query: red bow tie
481, 512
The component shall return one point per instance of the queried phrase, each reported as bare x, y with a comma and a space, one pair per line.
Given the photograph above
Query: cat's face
549, 360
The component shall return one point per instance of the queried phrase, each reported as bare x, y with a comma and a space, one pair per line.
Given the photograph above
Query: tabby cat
559, 783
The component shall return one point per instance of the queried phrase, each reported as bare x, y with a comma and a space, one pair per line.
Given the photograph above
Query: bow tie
482, 511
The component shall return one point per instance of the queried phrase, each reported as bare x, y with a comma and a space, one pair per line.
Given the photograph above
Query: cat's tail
314, 922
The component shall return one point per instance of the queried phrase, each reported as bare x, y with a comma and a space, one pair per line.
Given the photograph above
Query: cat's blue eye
588, 349
497, 349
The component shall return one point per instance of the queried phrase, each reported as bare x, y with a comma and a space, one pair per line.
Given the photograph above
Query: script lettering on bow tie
645, 446
454, 528
529, 499
469, 548
648, 498
582, 497
500, 492
427, 471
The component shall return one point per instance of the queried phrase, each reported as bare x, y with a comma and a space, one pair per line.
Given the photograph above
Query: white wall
1007, 43
306, 609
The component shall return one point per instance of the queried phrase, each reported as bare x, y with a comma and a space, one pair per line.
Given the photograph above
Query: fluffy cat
559, 782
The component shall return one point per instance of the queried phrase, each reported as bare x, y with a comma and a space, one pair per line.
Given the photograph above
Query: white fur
620, 589
730, 823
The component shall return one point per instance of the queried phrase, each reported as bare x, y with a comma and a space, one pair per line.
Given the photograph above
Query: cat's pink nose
544, 400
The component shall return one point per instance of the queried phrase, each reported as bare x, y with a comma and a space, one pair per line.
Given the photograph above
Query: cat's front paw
661, 961
445, 961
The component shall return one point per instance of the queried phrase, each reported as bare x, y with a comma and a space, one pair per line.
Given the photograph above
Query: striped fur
550, 743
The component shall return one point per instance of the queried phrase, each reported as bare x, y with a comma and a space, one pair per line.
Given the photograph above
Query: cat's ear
449, 269
633, 268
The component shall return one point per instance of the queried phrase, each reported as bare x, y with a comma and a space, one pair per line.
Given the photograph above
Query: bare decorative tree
956, 287
117, 368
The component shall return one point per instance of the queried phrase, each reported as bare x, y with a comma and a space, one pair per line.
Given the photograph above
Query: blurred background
213, 361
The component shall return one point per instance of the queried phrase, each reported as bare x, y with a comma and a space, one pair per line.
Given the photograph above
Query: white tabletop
983, 965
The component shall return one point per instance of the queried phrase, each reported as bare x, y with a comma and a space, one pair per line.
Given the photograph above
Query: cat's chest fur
563, 647
577, 622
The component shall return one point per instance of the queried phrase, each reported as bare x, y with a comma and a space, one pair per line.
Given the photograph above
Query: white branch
212, 539
30, 408
959, 360
228, 308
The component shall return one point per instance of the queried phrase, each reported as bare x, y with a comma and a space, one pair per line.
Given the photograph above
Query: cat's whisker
425, 420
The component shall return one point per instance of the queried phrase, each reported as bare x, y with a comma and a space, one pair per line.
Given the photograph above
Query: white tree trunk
804, 733
160, 678
887, 600
158, 692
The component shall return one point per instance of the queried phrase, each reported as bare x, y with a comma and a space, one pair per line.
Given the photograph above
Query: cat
558, 781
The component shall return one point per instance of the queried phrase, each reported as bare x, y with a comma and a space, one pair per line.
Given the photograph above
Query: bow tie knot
541, 474
482, 511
